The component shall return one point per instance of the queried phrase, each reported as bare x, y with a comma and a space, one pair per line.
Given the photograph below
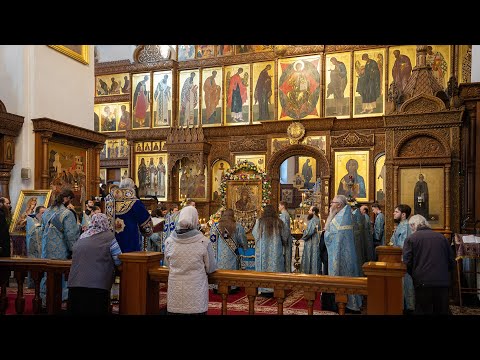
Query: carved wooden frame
47, 130
429, 139
273, 170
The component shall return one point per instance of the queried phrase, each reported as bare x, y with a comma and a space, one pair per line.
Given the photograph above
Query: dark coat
4, 235
428, 257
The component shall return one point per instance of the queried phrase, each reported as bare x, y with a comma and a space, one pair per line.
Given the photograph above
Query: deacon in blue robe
33, 238
370, 252
379, 226
311, 262
340, 242
359, 235
129, 217
398, 239
270, 237
60, 232
285, 217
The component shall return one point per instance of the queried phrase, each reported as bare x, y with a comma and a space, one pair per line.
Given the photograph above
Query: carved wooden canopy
63, 130
187, 142
10, 124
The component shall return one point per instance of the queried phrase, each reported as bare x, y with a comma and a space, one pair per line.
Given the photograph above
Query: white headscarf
187, 220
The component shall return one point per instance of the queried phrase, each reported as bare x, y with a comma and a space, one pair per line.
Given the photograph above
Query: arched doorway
322, 171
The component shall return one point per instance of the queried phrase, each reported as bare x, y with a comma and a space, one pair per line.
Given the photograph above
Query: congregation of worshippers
297, 159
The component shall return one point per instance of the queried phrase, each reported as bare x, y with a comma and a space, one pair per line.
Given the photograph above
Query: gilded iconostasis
224, 87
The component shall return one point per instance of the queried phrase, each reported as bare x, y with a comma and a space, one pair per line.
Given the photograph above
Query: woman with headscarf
94, 258
190, 257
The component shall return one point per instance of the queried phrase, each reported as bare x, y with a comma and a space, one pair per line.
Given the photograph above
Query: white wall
107, 53
475, 63
43, 82
63, 87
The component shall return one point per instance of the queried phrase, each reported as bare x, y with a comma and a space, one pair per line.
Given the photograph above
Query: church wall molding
423, 144
352, 139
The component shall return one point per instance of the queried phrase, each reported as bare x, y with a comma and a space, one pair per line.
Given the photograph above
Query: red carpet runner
294, 303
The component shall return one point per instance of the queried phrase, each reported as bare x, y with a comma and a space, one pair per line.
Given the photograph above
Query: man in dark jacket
429, 259
5, 210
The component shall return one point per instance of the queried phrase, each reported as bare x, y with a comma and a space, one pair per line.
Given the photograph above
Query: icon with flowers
246, 170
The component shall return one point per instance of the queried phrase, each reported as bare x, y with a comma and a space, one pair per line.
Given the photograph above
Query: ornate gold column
45, 135
131, 158
98, 150
447, 197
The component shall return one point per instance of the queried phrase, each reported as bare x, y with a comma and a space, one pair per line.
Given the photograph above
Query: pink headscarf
98, 224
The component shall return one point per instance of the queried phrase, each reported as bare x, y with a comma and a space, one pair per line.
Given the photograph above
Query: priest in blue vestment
60, 232
400, 216
311, 262
129, 217
340, 242
229, 236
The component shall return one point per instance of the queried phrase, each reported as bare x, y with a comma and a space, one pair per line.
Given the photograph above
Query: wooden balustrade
37, 267
139, 295
141, 275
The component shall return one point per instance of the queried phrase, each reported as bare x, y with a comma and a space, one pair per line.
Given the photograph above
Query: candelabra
296, 264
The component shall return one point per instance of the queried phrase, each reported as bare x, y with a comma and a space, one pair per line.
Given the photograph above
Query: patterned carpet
237, 304
464, 310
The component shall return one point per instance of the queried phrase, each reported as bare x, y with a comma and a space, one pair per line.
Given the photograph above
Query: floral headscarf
98, 224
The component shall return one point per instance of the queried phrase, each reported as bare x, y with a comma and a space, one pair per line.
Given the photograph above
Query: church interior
243, 126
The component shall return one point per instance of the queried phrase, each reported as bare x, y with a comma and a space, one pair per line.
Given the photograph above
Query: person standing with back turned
429, 259
190, 257
92, 272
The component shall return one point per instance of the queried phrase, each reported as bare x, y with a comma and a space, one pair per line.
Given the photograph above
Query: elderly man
339, 239
429, 259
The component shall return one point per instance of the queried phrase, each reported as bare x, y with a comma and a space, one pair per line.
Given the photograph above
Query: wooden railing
141, 276
383, 284
37, 267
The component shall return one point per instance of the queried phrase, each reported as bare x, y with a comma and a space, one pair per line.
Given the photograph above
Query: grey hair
127, 183
418, 220
342, 199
